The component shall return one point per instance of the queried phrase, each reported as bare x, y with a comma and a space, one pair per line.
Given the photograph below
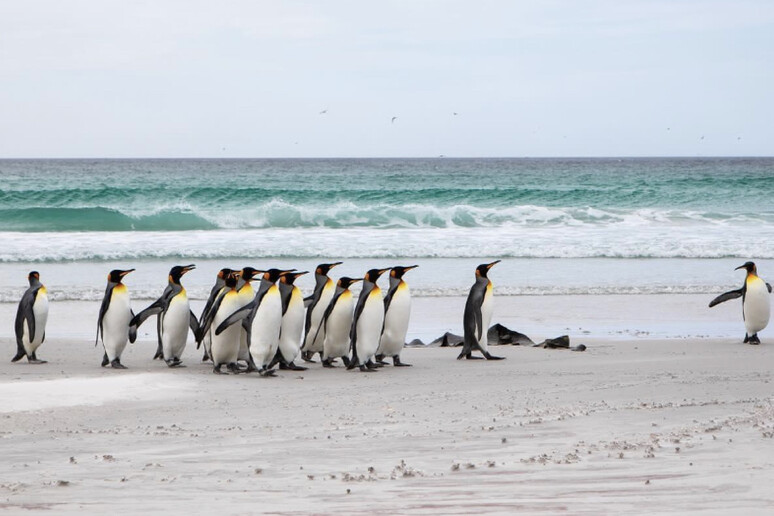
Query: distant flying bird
455, 113
323, 111
702, 137
393, 119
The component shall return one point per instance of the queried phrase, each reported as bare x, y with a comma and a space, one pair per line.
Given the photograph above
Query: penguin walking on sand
317, 303
397, 311
292, 327
31, 317
478, 315
262, 318
756, 305
224, 346
367, 323
115, 314
336, 323
206, 339
246, 295
174, 318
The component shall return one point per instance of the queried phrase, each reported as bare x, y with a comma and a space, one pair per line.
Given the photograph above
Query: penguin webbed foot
489, 356
105, 360
307, 357
754, 340
365, 369
34, 360
116, 364
374, 365
234, 368
328, 363
293, 367
380, 359
397, 363
18, 356
216, 369
266, 373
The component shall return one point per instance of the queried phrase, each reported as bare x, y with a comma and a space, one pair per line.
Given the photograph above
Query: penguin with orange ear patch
478, 315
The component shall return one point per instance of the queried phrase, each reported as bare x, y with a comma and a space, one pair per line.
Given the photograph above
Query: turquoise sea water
561, 226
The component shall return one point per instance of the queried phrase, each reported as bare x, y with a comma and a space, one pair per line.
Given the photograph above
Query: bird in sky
323, 111
393, 119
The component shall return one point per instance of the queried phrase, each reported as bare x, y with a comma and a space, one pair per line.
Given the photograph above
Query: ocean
560, 226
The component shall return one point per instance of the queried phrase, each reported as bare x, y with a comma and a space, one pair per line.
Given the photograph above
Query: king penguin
174, 318
367, 323
31, 317
756, 307
478, 315
292, 322
220, 282
246, 295
262, 318
224, 347
337, 323
115, 313
397, 311
317, 303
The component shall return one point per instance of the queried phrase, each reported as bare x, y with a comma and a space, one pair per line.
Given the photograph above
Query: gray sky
163, 78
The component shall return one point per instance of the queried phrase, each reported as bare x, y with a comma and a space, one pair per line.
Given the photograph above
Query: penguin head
224, 273
116, 275
272, 275
398, 272
345, 282
248, 273
374, 274
231, 279
324, 268
289, 277
483, 269
749, 267
33, 277
177, 272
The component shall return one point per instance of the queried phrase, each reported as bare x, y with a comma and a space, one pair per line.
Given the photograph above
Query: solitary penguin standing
478, 315
756, 307
174, 318
114, 317
31, 317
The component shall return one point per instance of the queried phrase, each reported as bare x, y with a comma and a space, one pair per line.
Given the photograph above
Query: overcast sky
162, 78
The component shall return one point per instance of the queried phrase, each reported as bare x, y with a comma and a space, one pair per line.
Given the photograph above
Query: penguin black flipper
204, 324
193, 322
102, 310
327, 313
310, 303
132, 330
155, 309
768, 286
239, 315
472, 323
361, 301
285, 295
733, 294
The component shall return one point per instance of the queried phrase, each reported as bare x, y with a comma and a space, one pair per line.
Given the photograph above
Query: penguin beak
382, 271
332, 265
301, 273
489, 266
410, 267
356, 280
124, 273
740, 267
188, 268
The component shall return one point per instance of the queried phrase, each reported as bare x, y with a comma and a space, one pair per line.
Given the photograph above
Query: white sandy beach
636, 424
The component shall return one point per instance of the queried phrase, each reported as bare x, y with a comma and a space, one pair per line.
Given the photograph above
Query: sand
635, 424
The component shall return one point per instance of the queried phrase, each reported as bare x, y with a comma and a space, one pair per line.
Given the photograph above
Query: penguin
336, 323
246, 295
115, 314
220, 282
756, 307
292, 328
31, 317
478, 315
262, 318
397, 310
317, 303
367, 323
224, 347
174, 318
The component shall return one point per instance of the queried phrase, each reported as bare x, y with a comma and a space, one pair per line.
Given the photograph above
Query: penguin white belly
40, 313
224, 348
487, 307
292, 327
756, 308
337, 327
369, 326
264, 337
312, 344
115, 323
175, 327
396, 322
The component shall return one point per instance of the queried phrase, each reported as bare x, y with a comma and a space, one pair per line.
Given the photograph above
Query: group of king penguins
252, 330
